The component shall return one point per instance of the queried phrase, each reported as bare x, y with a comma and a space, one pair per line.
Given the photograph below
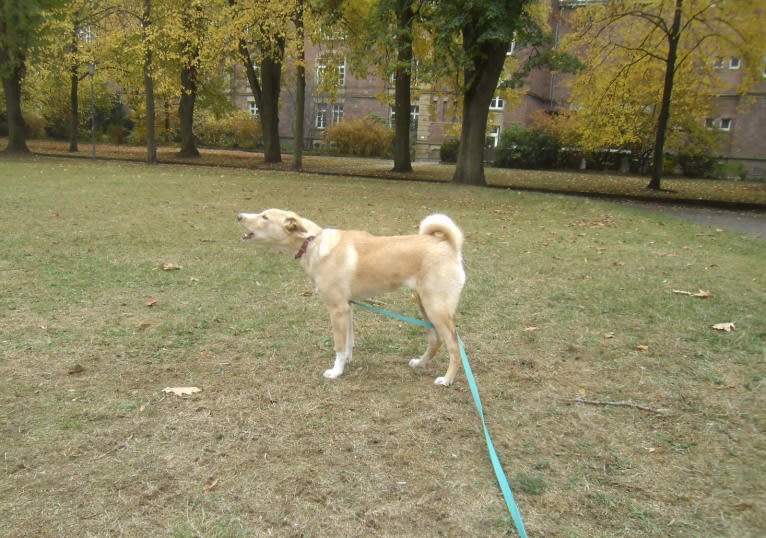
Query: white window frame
414, 116
718, 62
494, 135
725, 124
252, 107
734, 63
320, 118
497, 103
337, 113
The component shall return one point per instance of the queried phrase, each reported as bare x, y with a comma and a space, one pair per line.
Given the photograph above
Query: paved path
752, 223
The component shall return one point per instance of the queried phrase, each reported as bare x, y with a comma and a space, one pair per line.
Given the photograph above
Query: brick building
436, 118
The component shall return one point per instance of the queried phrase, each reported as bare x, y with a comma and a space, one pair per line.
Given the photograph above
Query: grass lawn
738, 193
566, 298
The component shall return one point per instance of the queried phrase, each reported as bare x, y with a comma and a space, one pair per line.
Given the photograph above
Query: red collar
304, 247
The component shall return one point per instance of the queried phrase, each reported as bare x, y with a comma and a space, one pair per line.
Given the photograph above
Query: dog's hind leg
340, 315
442, 315
433, 341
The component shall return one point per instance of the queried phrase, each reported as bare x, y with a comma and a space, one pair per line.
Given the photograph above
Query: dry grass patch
565, 298
749, 193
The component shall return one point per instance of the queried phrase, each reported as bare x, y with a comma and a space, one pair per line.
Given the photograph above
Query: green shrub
730, 171
238, 130
520, 147
365, 137
697, 165
448, 151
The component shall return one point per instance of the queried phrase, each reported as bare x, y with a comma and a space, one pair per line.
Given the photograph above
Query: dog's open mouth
248, 236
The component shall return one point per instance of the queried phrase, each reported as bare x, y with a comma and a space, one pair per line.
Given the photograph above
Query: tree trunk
664, 117
481, 80
17, 128
186, 111
402, 86
74, 84
300, 88
266, 93
271, 77
151, 143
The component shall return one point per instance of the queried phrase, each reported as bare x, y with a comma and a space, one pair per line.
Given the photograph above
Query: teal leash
505, 487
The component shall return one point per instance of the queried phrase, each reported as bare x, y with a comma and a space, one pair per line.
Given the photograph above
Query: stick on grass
658, 411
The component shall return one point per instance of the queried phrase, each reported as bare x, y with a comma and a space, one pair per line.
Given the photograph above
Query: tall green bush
520, 147
366, 137
448, 151
239, 130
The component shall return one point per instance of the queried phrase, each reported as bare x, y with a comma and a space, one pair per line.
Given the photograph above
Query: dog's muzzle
248, 236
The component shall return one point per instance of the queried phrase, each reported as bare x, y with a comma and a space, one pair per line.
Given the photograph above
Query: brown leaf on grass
727, 327
701, 294
151, 301
167, 266
182, 391
144, 325
643, 348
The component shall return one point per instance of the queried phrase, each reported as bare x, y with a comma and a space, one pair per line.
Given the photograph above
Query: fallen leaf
182, 391
642, 348
728, 326
211, 486
151, 301
167, 266
609, 335
531, 329
144, 325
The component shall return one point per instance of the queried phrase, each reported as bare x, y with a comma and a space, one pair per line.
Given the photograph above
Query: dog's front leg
340, 316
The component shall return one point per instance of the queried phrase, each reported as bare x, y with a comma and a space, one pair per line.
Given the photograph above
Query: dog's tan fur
347, 265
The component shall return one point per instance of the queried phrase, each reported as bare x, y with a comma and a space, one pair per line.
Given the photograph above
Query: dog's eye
264, 217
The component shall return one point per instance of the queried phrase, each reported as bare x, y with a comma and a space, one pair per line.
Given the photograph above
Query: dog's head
276, 227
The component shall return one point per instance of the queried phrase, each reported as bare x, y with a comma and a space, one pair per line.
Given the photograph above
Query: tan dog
347, 265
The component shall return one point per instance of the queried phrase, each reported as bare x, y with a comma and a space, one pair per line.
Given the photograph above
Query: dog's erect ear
293, 225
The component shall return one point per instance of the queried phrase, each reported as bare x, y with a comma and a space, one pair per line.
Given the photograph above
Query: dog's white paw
332, 373
442, 381
417, 363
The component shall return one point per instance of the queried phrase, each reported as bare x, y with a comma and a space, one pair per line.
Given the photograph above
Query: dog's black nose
239, 217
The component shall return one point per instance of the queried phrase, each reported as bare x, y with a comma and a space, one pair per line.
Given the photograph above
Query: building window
322, 68
724, 124
497, 103
321, 117
253, 108
414, 117
493, 137
337, 113
718, 63
734, 63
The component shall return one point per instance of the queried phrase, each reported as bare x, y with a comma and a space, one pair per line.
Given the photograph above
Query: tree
261, 29
192, 20
300, 83
147, 33
21, 23
484, 29
665, 41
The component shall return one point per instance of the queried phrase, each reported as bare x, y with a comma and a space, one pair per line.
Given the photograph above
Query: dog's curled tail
442, 224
